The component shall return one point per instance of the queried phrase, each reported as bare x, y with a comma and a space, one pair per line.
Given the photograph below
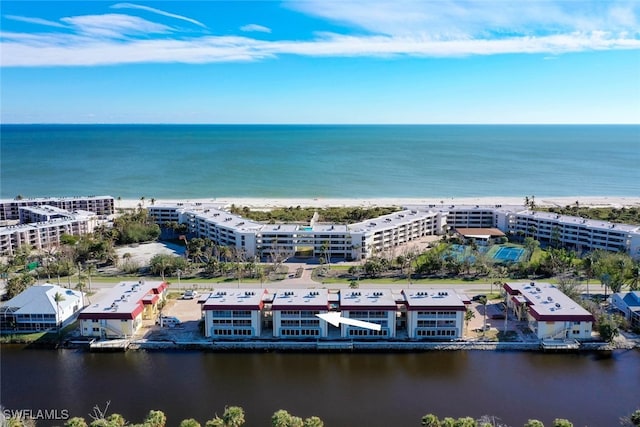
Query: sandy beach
268, 203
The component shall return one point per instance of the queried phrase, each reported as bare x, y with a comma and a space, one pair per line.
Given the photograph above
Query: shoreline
271, 203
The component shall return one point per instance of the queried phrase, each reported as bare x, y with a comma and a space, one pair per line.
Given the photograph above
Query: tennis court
508, 254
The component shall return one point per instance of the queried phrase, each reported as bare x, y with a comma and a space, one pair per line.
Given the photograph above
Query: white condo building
369, 305
45, 234
550, 313
435, 314
41, 222
234, 313
100, 205
295, 313
365, 239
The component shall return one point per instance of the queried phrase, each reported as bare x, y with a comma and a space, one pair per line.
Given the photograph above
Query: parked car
168, 321
189, 294
478, 297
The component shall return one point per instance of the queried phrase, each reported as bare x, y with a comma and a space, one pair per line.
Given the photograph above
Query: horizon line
312, 124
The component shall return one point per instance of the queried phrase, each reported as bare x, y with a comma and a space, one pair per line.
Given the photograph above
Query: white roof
392, 220
367, 299
433, 298
124, 298
39, 299
300, 298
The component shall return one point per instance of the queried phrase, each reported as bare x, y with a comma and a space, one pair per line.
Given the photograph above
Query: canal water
343, 389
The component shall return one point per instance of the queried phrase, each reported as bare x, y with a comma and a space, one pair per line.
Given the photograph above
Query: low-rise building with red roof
119, 313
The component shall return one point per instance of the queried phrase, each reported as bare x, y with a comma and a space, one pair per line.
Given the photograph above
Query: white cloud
255, 28
449, 19
29, 51
157, 11
387, 28
37, 21
114, 25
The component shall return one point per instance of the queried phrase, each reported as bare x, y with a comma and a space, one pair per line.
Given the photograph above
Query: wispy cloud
85, 51
157, 11
449, 19
114, 25
255, 28
388, 29
37, 21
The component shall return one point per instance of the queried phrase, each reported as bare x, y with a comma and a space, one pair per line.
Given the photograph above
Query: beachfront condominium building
435, 314
270, 241
550, 313
100, 205
367, 238
44, 235
40, 223
295, 313
234, 313
369, 305
389, 231
40, 308
576, 233
120, 311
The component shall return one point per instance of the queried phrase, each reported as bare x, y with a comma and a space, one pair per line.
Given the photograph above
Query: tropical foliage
234, 416
619, 215
347, 215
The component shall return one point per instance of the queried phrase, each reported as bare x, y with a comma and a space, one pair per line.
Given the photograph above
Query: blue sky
320, 61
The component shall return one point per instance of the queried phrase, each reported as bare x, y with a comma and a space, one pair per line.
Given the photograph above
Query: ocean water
201, 161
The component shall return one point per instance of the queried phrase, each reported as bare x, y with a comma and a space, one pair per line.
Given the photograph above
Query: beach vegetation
337, 215
623, 215
132, 227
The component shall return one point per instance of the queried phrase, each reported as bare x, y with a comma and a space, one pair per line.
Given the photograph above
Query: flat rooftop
45, 210
367, 299
434, 299
546, 302
393, 220
242, 299
583, 222
124, 301
301, 299
226, 219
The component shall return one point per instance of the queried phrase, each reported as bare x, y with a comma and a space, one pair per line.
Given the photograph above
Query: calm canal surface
343, 389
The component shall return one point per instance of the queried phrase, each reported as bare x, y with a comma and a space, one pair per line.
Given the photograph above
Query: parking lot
189, 314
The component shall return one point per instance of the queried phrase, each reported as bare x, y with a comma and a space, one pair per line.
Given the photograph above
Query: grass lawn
44, 337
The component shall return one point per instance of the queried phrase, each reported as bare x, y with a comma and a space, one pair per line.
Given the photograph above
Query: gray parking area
189, 314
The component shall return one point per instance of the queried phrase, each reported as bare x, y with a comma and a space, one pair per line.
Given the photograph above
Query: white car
189, 294
168, 321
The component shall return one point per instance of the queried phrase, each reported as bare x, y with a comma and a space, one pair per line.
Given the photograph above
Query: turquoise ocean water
199, 161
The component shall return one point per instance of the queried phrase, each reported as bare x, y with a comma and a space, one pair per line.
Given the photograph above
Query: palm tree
430, 420
468, 315
80, 287
155, 419
58, 298
233, 417
483, 300
313, 422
